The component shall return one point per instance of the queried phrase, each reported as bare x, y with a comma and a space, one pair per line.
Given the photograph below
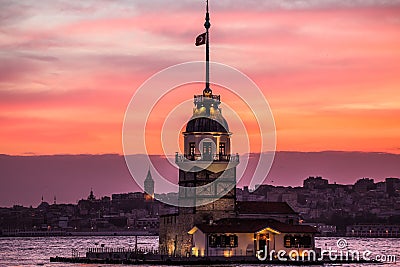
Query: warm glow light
195, 251
269, 229
227, 253
193, 230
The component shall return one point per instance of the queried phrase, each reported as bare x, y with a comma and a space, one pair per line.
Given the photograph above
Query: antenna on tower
207, 25
202, 39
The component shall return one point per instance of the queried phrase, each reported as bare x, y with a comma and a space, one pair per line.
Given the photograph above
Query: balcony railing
201, 98
207, 157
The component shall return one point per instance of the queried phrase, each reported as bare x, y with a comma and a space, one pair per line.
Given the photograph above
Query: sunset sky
330, 70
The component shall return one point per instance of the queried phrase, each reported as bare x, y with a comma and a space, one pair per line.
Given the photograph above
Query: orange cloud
329, 73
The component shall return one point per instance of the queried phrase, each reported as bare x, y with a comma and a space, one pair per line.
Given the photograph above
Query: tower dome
207, 136
206, 124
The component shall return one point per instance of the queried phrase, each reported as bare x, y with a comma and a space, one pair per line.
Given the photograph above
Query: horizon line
251, 190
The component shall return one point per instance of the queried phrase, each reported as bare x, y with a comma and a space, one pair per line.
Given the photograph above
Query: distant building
392, 186
363, 185
151, 223
149, 186
315, 183
323, 229
373, 230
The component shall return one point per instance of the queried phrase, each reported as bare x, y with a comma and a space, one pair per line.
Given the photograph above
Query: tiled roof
233, 226
260, 207
288, 228
240, 225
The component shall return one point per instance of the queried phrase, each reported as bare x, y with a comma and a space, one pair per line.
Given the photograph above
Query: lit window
192, 148
222, 241
222, 149
287, 241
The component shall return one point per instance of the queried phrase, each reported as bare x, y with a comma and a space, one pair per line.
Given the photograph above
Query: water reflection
31, 251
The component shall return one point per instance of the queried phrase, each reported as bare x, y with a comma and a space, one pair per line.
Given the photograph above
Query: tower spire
207, 91
149, 186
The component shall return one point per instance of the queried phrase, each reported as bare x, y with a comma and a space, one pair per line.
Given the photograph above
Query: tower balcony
179, 158
201, 98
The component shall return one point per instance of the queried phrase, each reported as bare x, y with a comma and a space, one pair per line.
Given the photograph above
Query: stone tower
207, 170
149, 186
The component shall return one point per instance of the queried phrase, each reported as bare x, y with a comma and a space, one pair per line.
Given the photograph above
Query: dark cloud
259, 5
12, 12
12, 69
54, 98
40, 57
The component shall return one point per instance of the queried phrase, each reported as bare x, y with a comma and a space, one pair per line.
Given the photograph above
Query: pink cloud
316, 64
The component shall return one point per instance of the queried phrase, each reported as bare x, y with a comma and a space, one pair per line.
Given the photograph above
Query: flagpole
207, 25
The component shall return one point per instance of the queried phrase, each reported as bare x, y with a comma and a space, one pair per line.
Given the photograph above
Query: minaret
149, 187
207, 170
91, 196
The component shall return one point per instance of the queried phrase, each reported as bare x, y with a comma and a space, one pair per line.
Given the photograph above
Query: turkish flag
201, 39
